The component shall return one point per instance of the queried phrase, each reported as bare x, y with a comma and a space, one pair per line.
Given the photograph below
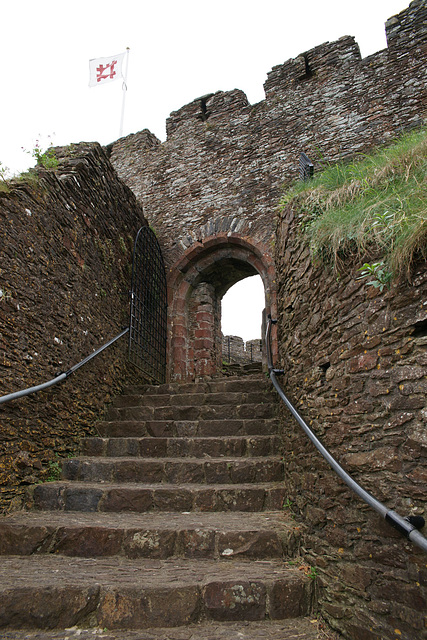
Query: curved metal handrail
61, 376
404, 525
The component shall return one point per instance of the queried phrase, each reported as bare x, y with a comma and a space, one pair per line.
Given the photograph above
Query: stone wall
235, 349
222, 167
355, 364
66, 239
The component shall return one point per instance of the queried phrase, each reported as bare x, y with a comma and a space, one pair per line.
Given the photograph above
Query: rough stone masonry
220, 172
211, 193
355, 363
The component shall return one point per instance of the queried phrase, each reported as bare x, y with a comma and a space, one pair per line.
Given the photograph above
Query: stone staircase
169, 525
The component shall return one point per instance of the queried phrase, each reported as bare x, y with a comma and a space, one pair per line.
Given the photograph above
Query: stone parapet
236, 350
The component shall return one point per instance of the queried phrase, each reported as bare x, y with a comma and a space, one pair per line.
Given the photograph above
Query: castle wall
224, 163
235, 350
355, 362
66, 239
355, 365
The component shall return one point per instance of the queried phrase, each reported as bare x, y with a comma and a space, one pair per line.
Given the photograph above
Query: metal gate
148, 307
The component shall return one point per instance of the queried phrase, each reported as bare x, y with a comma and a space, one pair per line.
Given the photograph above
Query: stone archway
196, 284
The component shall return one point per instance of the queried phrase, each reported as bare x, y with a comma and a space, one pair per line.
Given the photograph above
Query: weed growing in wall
5, 294
54, 471
45, 158
378, 273
373, 208
4, 172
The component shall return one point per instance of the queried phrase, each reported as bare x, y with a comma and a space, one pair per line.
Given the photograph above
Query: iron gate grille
148, 307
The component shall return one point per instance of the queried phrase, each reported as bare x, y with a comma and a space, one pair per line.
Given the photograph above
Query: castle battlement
225, 161
405, 32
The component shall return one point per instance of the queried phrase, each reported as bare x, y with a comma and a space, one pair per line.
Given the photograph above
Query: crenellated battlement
316, 64
404, 33
225, 161
408, 27
212, 107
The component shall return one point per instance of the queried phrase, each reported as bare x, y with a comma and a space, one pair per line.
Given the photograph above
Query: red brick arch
196, 285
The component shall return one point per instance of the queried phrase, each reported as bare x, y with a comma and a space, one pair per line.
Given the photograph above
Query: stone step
244, 446
193, 412
48, 591
240, 368
188, 428
225, 470
224, 536
90, 497
292, 629
248, 384
193, 399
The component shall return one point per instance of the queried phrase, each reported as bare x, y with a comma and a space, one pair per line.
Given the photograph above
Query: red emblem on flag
106, 72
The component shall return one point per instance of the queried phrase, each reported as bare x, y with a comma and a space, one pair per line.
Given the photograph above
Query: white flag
103, 70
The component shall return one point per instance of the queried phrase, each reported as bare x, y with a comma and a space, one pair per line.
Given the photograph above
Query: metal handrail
61, 376
404, 525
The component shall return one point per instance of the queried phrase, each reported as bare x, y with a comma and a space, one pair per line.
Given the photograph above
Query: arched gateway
196, 284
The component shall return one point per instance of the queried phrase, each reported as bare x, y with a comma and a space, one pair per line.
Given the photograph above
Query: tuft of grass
373, 208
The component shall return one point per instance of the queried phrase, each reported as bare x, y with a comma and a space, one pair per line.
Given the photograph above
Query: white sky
179, 50
241, 309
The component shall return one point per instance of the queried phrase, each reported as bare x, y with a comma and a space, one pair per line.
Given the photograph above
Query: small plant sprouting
379, 273
287, 504
54, 469
308, 570
45, 158
123, 246
4, 171
313, 573
382, 220
5, 294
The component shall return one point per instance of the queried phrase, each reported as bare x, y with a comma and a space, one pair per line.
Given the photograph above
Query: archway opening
196, 288
241, 321
241, 309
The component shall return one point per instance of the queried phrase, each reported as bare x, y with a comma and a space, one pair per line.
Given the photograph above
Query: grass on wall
373, 209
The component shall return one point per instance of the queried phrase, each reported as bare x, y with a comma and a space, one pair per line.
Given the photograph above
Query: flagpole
124, 87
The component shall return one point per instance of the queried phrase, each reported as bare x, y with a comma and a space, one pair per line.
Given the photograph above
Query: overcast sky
179, 50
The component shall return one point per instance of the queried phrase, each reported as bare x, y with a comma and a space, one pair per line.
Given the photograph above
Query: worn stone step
225, 470
193, 412
248, 384
86, 496
194, 399
188, 428
224, 536
244, 446
48, 591
292, 629
241, 369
